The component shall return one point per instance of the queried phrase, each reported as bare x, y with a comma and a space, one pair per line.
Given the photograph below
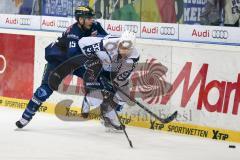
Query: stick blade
170, 118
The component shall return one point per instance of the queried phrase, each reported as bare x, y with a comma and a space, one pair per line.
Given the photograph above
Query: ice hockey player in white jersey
118, 58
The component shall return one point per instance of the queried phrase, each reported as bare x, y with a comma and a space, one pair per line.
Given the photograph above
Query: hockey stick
72, 64
124, 129
162, 120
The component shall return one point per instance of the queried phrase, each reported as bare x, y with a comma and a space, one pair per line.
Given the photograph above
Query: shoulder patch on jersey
73, 36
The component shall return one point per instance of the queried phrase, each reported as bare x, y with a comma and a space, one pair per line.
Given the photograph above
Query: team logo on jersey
41, 92
73, 36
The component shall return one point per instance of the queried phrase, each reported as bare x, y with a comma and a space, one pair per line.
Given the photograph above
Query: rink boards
205, 83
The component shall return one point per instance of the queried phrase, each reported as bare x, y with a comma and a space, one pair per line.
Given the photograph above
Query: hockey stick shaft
124, 130
162, 120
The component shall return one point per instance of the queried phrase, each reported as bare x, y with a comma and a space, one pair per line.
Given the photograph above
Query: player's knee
43, 93
94, 98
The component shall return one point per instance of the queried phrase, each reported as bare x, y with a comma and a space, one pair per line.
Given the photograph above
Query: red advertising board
16, 65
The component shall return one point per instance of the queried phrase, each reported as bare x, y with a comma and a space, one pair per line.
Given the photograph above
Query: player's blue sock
40, 96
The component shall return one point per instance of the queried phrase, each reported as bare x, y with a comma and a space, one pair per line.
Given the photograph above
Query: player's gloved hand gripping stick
162, 120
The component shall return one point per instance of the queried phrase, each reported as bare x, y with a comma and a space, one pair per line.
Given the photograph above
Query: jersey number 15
72, 44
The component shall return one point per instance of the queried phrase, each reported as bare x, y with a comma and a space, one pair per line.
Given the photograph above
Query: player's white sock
113, 118
111, 121
85, 108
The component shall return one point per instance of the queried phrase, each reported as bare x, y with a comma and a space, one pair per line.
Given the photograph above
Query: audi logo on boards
133, 28
25, 21
62, 24
167, 30
2, 59
220, 34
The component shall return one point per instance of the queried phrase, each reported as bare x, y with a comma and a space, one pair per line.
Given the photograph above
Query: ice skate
22, 123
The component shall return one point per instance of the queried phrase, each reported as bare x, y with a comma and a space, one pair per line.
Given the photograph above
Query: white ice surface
48, 138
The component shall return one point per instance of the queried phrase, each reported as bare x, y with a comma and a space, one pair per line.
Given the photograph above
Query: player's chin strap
162, 120
84, 19
82, 25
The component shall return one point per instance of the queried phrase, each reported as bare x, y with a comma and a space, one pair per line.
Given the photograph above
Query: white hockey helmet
127, 40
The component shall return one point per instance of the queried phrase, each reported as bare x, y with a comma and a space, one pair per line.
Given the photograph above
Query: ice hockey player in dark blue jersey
60, 51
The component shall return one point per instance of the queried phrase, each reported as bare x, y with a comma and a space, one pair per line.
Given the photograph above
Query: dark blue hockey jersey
67, 45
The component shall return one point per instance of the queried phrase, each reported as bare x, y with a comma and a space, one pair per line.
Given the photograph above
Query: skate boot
111, 122
22, 123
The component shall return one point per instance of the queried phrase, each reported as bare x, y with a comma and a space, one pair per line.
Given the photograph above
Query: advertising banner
201, 82
20, 21
206, 82
55, 23
159, 30
59, 23
209, 34
16, 65
148, 30
117, 27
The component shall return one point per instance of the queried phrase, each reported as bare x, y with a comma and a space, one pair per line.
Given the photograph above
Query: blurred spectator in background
205, 12
192, 10
36, 7
147, 10
166, 9
126, 12
26, 7
212, 13
141, 10
221, 12
61, 8
232, 13
10, 6
156, 10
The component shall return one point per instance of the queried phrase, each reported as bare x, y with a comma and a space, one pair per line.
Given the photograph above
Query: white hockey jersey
107, 51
